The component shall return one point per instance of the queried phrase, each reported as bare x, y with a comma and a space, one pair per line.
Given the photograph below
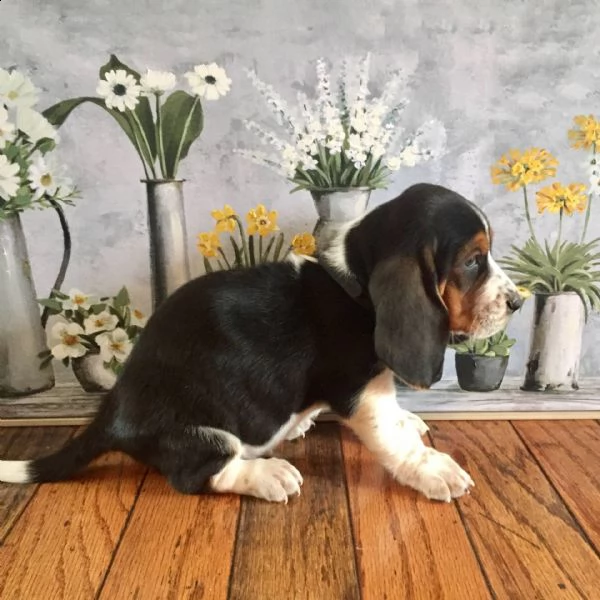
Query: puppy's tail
63, 464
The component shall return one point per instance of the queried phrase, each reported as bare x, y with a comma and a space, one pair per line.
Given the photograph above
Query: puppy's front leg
394, 436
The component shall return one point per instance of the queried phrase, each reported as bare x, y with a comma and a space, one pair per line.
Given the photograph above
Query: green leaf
98, 308
122, 298
54, 305
499, 350
58, 114
461, 348
182, 123
278, 247
489, 354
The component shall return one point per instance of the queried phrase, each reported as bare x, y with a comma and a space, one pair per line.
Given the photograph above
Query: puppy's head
425, 260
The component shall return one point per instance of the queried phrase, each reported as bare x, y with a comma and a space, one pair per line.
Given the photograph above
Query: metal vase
169, 262
91, 373
339, 206
22, 336
555, 346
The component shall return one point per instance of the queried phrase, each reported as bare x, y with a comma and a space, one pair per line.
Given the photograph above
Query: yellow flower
224, 218
524, 292
517, 169
585, 133
304, 243
262, 221
208, 243
558, 197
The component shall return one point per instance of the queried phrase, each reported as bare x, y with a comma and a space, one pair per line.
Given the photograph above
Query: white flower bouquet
161, 132
343, 139
29, 175
107, 326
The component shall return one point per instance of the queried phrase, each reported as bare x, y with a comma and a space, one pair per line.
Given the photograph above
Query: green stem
560, 220
260, 248
139, 152
243, 238
142, 133
589, 206
159, 138
528, 215
225, 258
183, 136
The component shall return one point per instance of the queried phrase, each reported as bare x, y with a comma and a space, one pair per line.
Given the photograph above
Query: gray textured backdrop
498, 74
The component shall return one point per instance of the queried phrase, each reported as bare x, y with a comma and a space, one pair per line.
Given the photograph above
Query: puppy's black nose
514, 301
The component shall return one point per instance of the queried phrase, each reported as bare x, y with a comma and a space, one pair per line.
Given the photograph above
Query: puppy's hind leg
206, 459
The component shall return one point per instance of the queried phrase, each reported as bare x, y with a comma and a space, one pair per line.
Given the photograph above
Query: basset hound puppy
235, 362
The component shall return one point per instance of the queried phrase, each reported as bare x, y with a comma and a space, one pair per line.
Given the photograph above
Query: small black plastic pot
480, 373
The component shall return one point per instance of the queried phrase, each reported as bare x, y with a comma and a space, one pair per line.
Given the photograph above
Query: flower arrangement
29, 175
161, 138
247, 251
107, 326
563, 266
343, 139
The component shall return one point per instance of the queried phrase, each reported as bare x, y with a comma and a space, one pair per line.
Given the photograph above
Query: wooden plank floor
529, 529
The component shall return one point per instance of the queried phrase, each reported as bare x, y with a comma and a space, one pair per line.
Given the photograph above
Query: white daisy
70, 345
119, 90
77, 299
157, 82
35, 125
17, 90
209, 81
7, 129
114, 344
103, 321
9, 178
45, 177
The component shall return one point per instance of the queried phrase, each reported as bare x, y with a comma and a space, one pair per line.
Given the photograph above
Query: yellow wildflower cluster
557, 197
260, 221
586, 132
517, 169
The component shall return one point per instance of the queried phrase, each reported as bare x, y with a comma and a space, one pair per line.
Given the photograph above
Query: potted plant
342, 144
258, 242
481, 364
30, 178
563, 275
162, 129
94, 336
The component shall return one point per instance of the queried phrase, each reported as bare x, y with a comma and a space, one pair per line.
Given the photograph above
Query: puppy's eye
473, 262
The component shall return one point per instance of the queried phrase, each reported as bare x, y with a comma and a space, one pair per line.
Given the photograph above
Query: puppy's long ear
412, 327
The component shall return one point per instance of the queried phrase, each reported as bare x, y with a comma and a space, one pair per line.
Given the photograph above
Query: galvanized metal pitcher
339, 206
169, 262
22, 336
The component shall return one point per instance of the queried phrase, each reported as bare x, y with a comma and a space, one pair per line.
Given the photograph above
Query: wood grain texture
526, 539
569, 453
176, 546
24, 444
406, 545
63, 543
303, 549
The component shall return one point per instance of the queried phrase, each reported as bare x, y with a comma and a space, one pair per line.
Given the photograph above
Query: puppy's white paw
274, 479
439, 477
